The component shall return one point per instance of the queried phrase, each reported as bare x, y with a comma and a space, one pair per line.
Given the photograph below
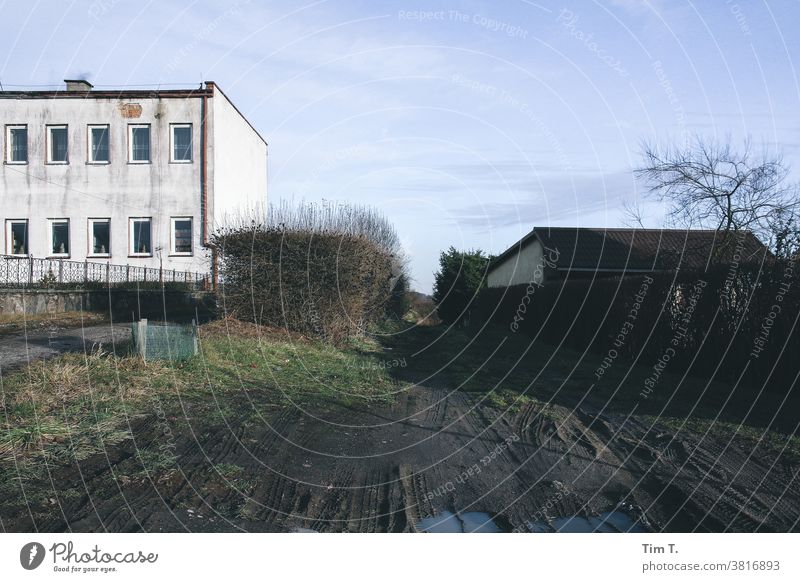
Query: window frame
89, 143
90, 250
50, 223
48, 143
172, 128
173, 252
131, 231
131, 127
9, 150
9, 246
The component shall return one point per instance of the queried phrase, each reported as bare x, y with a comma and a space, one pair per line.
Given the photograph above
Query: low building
556, 253
132, 177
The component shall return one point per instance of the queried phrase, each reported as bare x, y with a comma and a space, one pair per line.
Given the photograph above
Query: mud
386, 468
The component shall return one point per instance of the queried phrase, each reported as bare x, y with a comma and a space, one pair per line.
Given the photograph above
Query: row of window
97, 139
140, 237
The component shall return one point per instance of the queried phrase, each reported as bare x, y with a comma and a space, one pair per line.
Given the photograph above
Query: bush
461, 275
329, 271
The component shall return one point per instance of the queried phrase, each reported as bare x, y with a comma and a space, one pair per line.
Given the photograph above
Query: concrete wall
36, 302
520, 268
121, 304
238, 175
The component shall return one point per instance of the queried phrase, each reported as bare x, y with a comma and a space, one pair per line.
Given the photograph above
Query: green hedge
323, 283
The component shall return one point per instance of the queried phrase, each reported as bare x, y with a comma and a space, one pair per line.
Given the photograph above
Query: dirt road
19, 348
439, 450
384, 469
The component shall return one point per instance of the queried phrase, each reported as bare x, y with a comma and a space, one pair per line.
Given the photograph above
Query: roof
107, 94
639, 249
207, 91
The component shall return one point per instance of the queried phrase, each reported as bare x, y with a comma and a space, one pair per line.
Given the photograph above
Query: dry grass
232, 327
16, 322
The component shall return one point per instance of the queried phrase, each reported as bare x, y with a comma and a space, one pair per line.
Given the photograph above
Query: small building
558, 253
131, 177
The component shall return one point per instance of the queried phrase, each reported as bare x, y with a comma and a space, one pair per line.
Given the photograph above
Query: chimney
78, 85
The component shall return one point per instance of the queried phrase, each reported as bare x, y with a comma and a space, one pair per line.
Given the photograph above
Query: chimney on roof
78, 85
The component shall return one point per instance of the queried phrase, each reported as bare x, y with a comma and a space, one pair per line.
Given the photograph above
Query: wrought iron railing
32, 272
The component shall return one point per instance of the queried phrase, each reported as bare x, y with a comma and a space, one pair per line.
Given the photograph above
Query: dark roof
108, 94
637, 249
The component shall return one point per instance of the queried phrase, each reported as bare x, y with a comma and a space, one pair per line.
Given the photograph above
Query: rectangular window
140, 237
181, 136
59, 237
98, 144
17, 237
17, 144
100, 237
139, 144
181, 236
57, 144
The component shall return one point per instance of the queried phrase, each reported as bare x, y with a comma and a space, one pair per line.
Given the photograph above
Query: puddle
608, 522
467, 522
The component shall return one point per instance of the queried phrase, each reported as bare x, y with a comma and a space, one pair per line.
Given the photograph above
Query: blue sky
466, 123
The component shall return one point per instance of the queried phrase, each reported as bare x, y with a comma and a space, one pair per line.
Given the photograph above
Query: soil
334, 466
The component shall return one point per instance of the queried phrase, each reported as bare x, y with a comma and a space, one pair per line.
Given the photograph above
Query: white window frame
89, 144
50, 223
9, 247
172, 128
131, 221
172, 246
90, 250
48, 143
9, 128
131, 127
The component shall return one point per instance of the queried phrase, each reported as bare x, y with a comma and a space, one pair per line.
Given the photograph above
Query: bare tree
633, 214
711, 185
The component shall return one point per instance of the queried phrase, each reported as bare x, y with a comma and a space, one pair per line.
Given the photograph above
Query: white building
128, 177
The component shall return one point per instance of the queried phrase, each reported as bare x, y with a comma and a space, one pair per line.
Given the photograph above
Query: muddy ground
330, 466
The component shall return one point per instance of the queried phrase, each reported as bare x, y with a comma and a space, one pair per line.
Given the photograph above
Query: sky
466, 123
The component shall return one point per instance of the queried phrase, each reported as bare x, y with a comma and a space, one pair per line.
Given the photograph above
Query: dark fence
33, 272
733, 323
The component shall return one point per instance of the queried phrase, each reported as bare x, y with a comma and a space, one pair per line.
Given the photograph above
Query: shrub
329, 271
461, 275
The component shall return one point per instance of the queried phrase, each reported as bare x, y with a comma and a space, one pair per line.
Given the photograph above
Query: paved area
17, 349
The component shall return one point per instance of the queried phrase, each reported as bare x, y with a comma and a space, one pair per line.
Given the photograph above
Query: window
16, 144
57, 144
181, 236
98, 144
181, 136
59, 237
17, 237
139, 144
100, 237
140, 237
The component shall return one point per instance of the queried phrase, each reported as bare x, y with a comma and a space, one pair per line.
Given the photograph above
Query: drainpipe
204, 183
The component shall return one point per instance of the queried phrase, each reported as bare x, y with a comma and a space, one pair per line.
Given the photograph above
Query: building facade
133, 177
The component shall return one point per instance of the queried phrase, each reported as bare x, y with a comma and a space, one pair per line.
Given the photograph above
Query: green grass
74, 405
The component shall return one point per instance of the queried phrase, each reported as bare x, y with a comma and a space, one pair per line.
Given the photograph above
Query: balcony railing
18, 271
